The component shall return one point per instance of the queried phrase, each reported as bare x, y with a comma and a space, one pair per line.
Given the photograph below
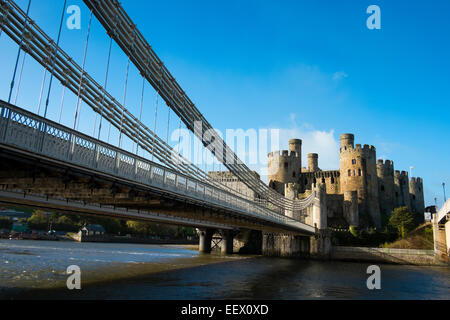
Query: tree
138, 227
402, 220
38, 220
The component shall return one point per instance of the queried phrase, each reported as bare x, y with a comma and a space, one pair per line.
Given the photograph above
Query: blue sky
310, 68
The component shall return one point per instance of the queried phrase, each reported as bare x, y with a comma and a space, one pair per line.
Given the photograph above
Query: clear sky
310, 68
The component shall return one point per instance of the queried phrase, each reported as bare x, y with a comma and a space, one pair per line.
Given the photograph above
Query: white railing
27, 131
444, 211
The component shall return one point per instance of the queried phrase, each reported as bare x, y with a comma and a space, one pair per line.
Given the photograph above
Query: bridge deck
27, 133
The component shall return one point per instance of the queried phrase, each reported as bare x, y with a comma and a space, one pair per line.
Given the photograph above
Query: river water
37, 269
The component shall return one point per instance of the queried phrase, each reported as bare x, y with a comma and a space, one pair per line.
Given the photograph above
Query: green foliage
403, 221
363, 238
354, 231
420, 238
38, 220
137, 227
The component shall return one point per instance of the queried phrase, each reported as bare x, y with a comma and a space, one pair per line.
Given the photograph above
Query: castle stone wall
386, 187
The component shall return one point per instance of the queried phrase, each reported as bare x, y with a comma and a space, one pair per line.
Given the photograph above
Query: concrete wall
384, 255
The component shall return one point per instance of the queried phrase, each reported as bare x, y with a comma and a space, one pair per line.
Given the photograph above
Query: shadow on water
268, 278
188, 275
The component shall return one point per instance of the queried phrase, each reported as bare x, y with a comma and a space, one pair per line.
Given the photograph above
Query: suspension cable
53, 59
124, 102
18, 52
179, 141
140, 112
62, 103
156, 118
104, 89
168, 125
20, 78
82, 76
42, 91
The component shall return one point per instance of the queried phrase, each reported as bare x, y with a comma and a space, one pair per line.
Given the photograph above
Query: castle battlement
388, 164
401, 173
283, 154
416, 180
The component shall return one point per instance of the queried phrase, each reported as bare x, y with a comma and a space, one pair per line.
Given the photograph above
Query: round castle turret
401, 187
386, 187
416, 195
285, 167
313, 162
358, 172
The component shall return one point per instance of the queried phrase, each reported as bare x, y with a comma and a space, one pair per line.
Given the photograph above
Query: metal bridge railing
27, 131
444, 211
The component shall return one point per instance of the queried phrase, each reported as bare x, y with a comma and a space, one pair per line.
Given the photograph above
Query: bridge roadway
67, 171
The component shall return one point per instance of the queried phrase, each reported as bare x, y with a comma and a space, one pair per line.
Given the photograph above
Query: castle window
359, 172
286, 165
349, 172
314, 181
382, 188
354, 173
332, 180
354, 161
323, 180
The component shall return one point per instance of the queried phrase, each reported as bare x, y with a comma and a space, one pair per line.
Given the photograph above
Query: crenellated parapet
285, 166
416, 195
401, 187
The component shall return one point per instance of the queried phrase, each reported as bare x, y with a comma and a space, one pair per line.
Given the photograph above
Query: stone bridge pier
289, 245
270, 243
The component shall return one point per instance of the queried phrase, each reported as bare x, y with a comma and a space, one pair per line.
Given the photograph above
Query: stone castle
360, 192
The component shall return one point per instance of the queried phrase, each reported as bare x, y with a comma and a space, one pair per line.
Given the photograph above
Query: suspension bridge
47, 164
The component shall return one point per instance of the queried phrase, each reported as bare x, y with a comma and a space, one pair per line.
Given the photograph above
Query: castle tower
386, 190
401, 188
285, 167
295, 145
313, 162
358, 172
416, 195
350, 209
347, 140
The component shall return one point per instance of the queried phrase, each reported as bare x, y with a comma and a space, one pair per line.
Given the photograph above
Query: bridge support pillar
226, 245
248, 242
285, 245
441, 235
205, 236
321, 242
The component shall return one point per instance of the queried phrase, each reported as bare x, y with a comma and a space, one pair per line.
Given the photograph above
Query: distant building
92, 230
